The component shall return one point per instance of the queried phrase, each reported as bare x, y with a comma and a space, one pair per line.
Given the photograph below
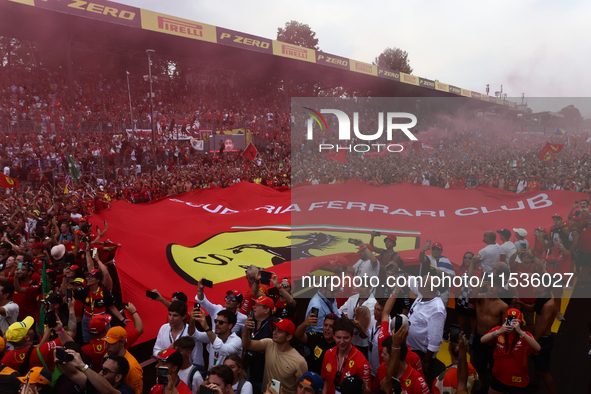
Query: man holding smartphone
169, 364
233, 302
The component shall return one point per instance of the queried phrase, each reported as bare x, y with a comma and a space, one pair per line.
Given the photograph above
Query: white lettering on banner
460, 212
335, 204
536, 202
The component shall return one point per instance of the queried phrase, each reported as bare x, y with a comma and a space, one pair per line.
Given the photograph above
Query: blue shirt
325, 306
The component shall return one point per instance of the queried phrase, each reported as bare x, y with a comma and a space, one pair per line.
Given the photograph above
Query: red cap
340, 261
368, 247
288, 281
437, 245
38, 245
82, 219
391, 237
266, 301
514, 312
285, 325
99, 323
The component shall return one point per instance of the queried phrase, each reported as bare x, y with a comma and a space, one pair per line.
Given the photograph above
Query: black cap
352, 385
505, 233
179, 295
5, 245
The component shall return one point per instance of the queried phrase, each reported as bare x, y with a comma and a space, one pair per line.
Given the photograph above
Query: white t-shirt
508, 249
197, 378
348, 309
488, 256
364, 267
426, 325
246, 388
11, 315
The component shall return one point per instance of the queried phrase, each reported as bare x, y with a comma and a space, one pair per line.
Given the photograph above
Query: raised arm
300, 332
284, 293
137, 320
248, 343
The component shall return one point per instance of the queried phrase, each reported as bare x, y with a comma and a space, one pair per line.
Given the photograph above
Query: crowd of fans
65, 329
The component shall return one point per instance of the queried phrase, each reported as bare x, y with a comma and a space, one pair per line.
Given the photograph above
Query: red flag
340, 157
545, 154
417, 146
250, 152
257, 226
7, 182
555, 147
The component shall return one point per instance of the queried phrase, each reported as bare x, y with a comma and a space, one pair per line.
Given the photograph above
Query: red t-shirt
182, 388
557, 262
14, 358
27, 302
96, 350
356, 363
248, 303
584, 244
412, 382
511, 368
412, 358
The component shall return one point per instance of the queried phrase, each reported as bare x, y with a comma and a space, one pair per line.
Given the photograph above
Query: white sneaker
560, 317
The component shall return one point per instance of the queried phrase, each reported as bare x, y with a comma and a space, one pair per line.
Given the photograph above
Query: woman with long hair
240, 385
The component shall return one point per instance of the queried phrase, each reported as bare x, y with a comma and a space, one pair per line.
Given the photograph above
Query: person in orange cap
115, 341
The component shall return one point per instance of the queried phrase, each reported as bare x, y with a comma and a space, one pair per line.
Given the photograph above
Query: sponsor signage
294, 51
101, 10
475, 95
410, 79
466, 93
245, 41
483, 97
427, 83
177, 26
442, 86
25, 2
389, 74
332, 60
454, 89
363, 68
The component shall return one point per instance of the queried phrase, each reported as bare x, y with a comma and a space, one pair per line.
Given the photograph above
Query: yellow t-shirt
135, 376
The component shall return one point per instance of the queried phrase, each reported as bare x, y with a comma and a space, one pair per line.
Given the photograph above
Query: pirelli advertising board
294, 51
108, 11
364, 68
237, 39
101, 10
178, 26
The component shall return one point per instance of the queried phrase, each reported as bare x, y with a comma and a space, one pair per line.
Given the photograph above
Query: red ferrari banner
172, 243
8, 182
555, 147
545, 154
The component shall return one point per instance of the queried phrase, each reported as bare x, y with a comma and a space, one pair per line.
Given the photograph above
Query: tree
299, 34
395, 59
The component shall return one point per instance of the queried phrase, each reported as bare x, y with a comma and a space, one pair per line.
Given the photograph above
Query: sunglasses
108, 371
233, 299
285, 286
219, 322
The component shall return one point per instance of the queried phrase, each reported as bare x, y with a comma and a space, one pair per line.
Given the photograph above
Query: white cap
520, 231
397, 321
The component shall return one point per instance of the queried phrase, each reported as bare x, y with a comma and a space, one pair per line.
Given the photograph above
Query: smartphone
251, 314
205, 390
396, 386
163, 376
51, 319
353, 241
124, 304
314, 311
276, 385
19, 266
197, 306
68, 294
428, 242
556, 237
94, 253
510, 320
207, 283
454, 333
378, 233
266, 277
61, 355
151, 295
